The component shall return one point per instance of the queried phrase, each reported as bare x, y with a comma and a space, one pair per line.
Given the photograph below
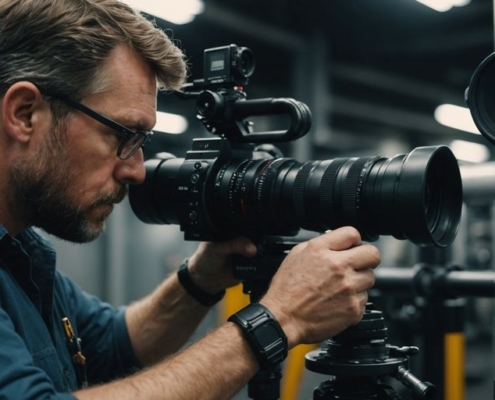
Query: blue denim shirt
36, 358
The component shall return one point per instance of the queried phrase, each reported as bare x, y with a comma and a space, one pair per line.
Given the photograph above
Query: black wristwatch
263, 333
194, 290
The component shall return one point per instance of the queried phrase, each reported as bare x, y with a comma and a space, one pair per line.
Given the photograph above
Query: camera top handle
222, 115
223, 112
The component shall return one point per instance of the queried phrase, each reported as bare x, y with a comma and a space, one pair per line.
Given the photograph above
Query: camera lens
415, 196
244, 61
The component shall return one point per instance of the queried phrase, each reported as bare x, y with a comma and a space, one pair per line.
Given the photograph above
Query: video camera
234, 185
237, 184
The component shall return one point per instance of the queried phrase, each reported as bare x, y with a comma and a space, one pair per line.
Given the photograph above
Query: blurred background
381, 77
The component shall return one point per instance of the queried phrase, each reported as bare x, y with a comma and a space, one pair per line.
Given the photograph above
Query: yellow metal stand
294, 371
233, 301
454, 382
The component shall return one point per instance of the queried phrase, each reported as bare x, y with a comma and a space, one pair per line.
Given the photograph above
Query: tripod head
359, 359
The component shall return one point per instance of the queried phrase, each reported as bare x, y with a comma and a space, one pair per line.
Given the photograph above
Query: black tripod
359, 360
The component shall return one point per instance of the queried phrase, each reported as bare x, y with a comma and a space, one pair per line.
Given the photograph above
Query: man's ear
22, 110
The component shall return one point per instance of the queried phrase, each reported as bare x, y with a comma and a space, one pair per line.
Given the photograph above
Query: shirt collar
31, 260
29, 239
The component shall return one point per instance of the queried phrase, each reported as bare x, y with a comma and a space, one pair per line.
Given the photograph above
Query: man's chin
77, 227
106, 209
92, 228
83, 231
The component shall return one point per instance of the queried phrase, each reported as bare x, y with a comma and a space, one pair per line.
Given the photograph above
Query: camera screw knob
195, 178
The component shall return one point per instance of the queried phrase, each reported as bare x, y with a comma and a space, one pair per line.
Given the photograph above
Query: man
66, 68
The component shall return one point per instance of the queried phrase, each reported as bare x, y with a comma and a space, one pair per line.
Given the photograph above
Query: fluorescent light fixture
444, 5
456, 117
170, 123
178, 12
469, 151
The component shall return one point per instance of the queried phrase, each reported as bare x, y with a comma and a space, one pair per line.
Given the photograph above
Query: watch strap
205, 298
263, 333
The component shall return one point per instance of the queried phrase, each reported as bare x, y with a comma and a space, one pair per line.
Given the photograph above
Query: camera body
187, 190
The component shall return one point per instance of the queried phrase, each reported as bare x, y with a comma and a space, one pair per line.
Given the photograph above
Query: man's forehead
127, 70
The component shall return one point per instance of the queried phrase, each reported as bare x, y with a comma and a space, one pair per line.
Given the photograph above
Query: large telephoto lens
415, 196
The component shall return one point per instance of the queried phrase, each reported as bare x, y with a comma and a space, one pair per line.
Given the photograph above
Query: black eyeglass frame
141, 137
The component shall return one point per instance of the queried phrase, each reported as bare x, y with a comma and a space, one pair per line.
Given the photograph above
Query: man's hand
210, 267
321, 287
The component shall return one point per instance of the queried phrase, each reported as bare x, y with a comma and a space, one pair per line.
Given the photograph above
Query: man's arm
319, 290
214, 368
161, 323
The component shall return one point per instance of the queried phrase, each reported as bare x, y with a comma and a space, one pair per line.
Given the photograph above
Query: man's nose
131, 171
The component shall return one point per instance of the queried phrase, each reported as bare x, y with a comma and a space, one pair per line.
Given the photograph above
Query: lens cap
480, 97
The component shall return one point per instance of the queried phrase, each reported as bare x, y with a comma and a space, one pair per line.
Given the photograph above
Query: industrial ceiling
372, 71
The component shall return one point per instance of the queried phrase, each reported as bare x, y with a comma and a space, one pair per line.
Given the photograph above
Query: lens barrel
415, 196
479, 97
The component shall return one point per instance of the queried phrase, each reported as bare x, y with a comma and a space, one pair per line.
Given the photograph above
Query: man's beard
42, 186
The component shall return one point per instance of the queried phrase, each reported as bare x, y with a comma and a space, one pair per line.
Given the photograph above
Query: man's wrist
209, 282
263, 333
206, 298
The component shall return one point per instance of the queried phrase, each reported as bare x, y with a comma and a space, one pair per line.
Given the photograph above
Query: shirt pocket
47, 360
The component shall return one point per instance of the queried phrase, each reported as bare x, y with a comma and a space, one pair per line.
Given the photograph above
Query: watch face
267, 335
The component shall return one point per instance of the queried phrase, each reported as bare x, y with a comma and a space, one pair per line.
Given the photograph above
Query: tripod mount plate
320, 361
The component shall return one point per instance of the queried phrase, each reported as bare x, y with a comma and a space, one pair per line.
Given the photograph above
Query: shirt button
67, 373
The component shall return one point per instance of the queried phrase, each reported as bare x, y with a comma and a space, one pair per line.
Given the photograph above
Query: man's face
44, 184
69, 184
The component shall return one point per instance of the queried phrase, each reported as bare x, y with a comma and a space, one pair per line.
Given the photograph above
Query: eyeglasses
131, 141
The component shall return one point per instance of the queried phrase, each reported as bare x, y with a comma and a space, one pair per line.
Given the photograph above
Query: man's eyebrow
132, 123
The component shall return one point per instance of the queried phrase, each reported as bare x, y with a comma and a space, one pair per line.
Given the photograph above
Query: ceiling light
178, 12
444, 5
456, 117
170, 123
469, 151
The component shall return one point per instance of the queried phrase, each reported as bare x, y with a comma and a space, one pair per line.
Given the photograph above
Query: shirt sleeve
19, 377
103, 331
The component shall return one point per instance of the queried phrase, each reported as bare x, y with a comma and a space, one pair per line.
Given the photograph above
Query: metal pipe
437, 281
478, 182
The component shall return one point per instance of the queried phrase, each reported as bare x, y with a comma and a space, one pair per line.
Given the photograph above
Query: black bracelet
263, 333
194, 290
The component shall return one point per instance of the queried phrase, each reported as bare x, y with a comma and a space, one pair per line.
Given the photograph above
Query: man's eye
120, 134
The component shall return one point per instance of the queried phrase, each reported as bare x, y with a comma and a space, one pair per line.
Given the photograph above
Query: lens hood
480, 97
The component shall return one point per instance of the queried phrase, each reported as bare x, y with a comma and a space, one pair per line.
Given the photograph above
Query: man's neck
10, 215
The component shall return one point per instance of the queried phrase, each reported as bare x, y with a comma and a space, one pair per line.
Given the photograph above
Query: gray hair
63, 45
